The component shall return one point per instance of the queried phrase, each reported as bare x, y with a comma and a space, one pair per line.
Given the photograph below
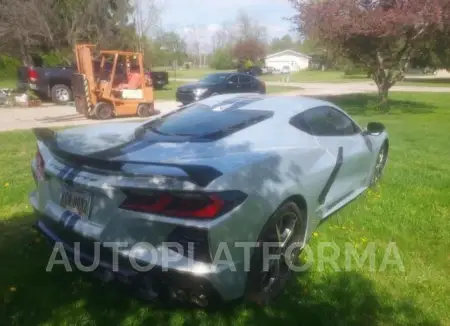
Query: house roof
288, 52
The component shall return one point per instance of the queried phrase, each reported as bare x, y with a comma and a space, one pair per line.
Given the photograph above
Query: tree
380, 35
146, 19
250, 49
168, 47
222, 59
284, 43
249, 29
250, 40
55, 25
221, 38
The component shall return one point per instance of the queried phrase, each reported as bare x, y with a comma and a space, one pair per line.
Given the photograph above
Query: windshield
214, 78
200, 120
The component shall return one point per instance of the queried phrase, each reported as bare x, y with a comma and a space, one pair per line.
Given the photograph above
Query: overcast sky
208, 15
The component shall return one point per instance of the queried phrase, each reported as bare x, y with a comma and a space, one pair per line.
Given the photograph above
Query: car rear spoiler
200, 175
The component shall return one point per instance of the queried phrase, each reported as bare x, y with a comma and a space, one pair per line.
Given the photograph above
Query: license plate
77, 201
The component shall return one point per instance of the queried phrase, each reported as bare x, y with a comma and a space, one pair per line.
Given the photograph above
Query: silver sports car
212, 201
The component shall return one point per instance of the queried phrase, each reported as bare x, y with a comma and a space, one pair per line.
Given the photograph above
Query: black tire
103, 111
262, 287
379, 164
61, 94
145, 110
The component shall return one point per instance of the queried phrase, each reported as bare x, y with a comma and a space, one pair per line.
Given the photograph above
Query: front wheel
277, 252
379, 165
104, 111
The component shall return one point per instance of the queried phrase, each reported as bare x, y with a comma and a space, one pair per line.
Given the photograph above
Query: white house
288, 58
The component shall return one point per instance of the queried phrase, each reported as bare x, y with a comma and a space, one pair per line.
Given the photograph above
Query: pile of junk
12, 98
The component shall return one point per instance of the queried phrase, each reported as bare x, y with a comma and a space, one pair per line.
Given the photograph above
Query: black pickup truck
55, 83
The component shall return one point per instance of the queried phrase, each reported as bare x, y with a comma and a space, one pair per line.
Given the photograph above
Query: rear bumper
162, 276
152, 284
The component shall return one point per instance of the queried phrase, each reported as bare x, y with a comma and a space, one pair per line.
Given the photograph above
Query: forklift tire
146, 110
103, 111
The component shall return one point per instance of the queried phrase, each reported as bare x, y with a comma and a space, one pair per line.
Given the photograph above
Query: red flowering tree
249, 50
380, 35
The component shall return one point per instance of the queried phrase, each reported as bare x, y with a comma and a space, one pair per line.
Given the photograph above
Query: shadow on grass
31, 296
365, 104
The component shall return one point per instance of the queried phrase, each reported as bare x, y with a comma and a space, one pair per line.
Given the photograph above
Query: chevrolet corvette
180, 190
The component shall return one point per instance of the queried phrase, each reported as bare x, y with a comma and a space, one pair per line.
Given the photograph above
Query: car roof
278, 104
232, 73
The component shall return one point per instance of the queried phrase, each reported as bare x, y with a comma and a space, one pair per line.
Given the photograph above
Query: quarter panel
268, 184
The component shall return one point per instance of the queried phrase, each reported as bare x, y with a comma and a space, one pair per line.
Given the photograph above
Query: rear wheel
61, 94
104, 111
145, 110
280, 237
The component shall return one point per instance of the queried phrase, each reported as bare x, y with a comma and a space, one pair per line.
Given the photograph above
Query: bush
53, 59
8, 67
350, 69
355, 71
222, 60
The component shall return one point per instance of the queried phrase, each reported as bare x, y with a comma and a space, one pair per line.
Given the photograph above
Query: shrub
8, 67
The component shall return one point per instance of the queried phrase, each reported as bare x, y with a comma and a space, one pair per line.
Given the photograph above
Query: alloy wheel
62, 95
277, 271
379, 165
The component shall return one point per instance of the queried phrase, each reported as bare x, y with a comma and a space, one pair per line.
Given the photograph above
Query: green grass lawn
311, 76
410, 207
431, 82
8, 83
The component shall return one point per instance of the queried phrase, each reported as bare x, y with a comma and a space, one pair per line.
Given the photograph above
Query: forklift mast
83, 54
83, 82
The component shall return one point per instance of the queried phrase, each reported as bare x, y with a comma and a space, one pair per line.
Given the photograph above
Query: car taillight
32, 75
40, 166
197, 205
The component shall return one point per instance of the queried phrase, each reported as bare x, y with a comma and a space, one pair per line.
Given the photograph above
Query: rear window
204, 121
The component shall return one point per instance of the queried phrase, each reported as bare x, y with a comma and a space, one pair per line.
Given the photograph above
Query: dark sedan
220, 83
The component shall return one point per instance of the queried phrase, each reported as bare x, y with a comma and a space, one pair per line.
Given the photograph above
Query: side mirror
375, 128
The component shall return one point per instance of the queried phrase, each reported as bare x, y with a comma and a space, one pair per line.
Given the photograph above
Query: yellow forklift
96, 89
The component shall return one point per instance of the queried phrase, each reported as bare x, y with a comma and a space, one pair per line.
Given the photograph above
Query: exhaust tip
199, 300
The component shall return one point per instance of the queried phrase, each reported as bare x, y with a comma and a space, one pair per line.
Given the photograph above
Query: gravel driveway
50, 115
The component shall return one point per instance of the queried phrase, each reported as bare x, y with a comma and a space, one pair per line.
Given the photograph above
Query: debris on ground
5, 96
10, 98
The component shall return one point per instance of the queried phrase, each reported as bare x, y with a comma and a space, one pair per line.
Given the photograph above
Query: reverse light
196, 205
